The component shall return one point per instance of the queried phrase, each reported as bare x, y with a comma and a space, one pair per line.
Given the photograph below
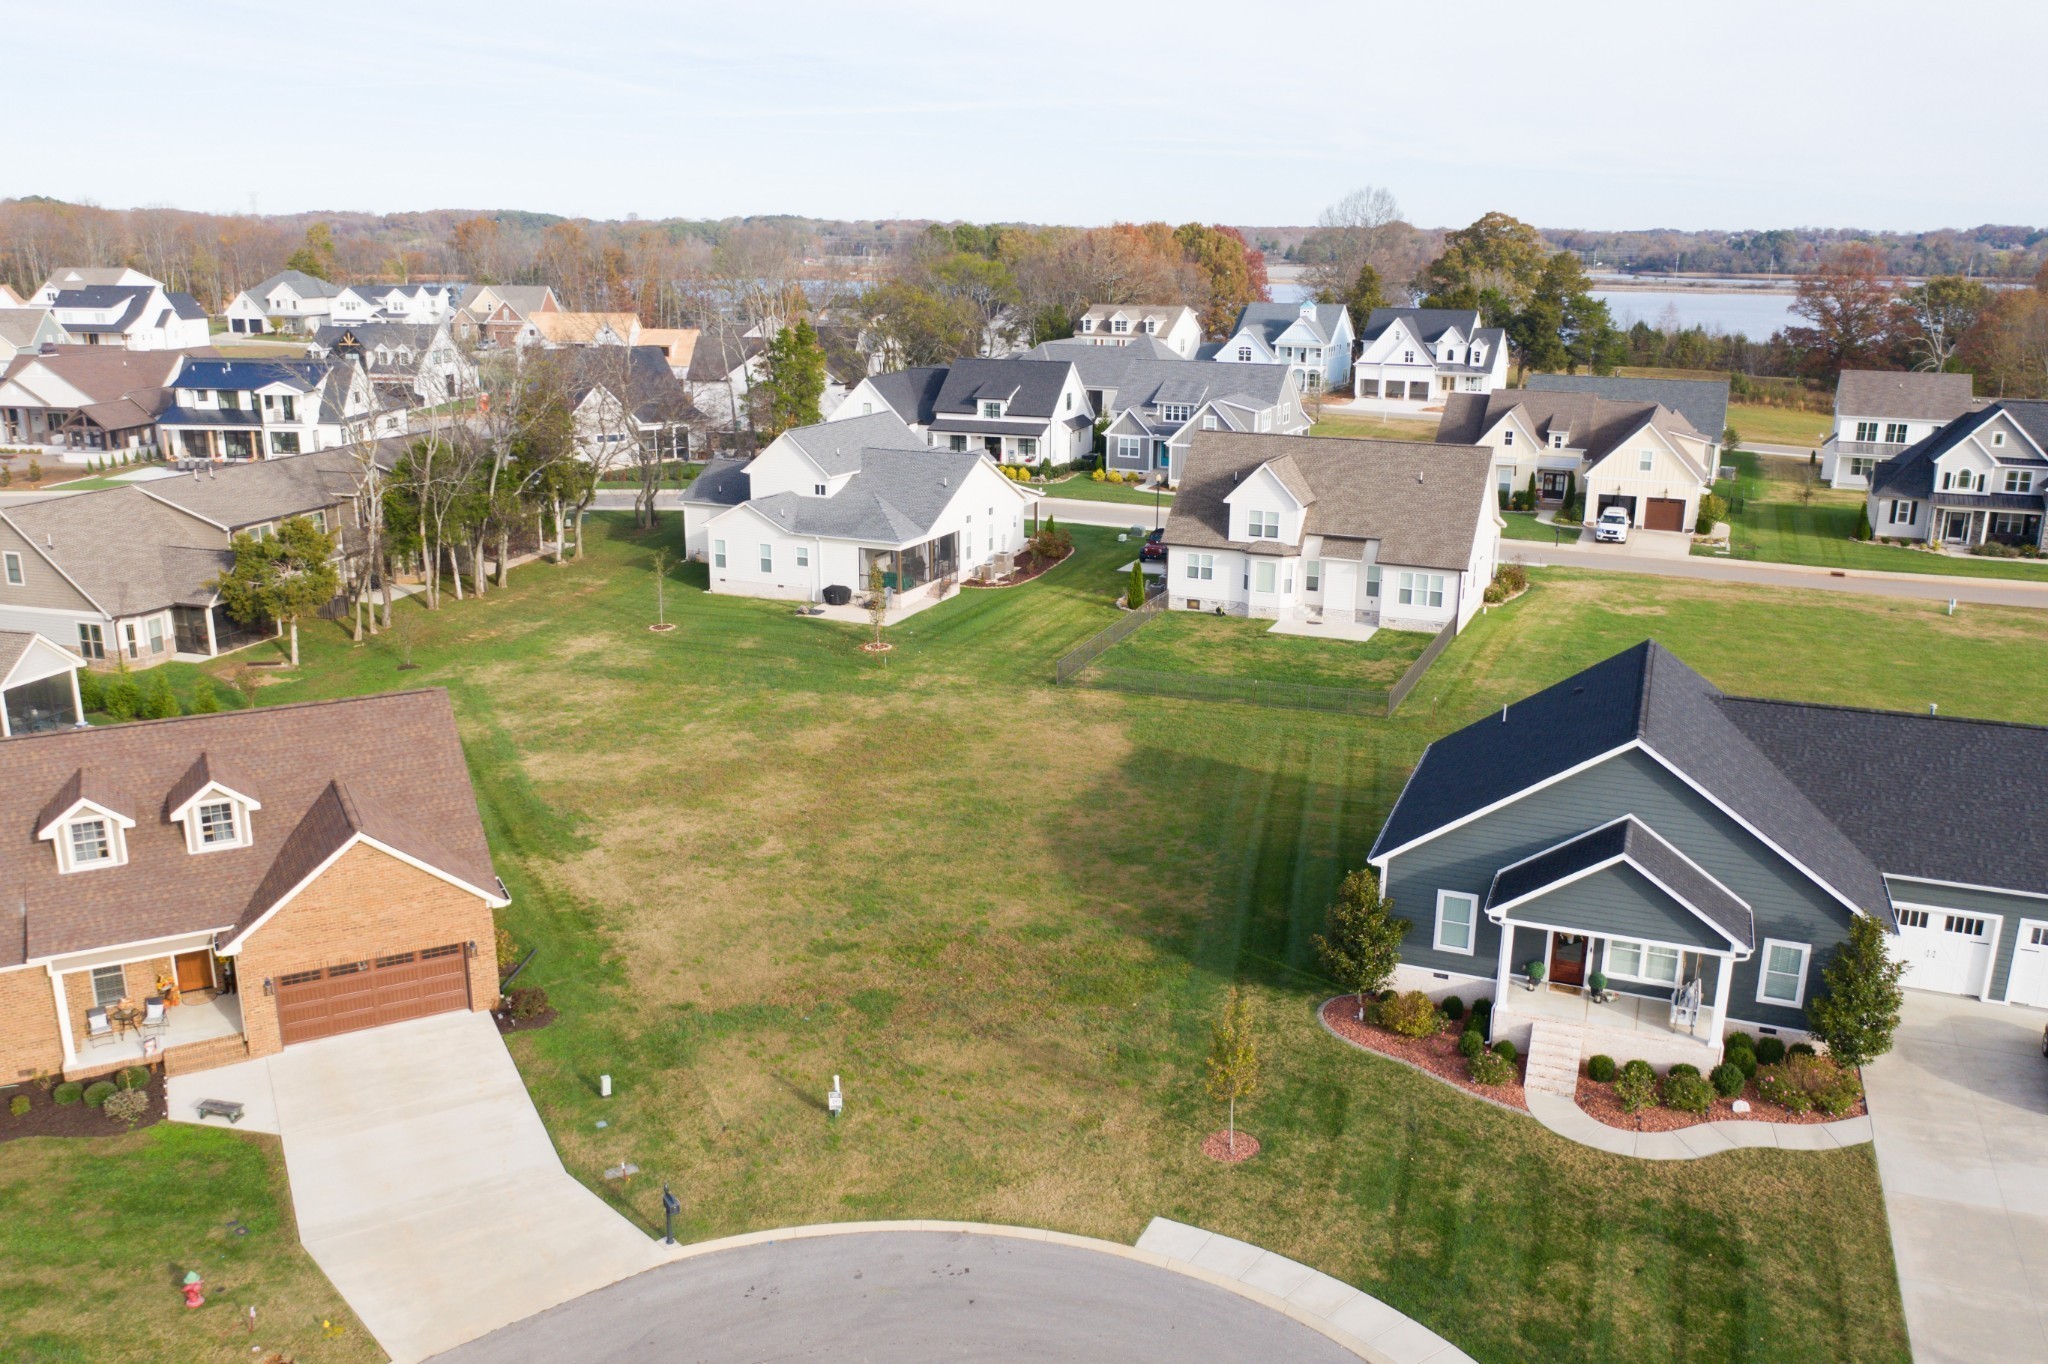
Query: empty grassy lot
1082, 488
753, 858
1225, 646
1363, 425
1780, 521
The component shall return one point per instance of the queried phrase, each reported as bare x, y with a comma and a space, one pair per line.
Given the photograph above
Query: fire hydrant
194, 1289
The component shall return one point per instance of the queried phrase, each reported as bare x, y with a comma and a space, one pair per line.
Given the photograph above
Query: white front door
1946, 951
2029, 982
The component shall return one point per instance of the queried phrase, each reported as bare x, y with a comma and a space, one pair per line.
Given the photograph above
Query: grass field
1525, 526
96, 1235
1780, 425
1225, 646
1082, 488
753, 858
1365, 426
1778, 524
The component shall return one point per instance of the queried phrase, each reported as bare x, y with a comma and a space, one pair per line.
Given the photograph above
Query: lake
1753, 313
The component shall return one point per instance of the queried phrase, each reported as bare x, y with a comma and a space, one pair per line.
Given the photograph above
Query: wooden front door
1568, 959
194, 970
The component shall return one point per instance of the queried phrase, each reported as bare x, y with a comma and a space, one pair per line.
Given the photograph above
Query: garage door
1945, 952
365, 994
2029, 984
1664, 513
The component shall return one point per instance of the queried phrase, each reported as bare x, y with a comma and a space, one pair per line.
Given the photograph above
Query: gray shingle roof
722, 484
303, 284
1597, 425
836, 447
1424, 504
1427, 323
1271, 319
911, 393
1031, 388
894, 500
247, 494
1630, 839
1907, 395
1136, 377
1911, 472
126, 551
1703, 402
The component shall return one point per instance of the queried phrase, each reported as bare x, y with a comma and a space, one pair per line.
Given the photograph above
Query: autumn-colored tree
316, 256
1229, 270
477, 243
1852, 312
1492, 266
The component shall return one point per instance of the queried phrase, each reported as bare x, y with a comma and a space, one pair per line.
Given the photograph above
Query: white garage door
2029, 984
1944, 951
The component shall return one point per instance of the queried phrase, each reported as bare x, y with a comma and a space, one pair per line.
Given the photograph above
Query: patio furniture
99, 1030
219, 1108
124, 1017
154, 1019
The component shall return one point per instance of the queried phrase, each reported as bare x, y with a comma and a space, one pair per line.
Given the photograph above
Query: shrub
1493, 594
1490, 1068
1636, 1089
1801, 1083
1481, 1008
1505, 1050
18, 1105
1638, 1067
1738, 1041
1600, 1068
159, 702
1412, 1015
126, 1106
528, 1001
1863, 528
1744, 1061
1688, 1093
1097, 476
1453, 1007
1727, 1079
135, 1077
91, 690
69, 1092
1802, 1049
205, 701
96, 1093
1683, 1068
1712, 508
1512, 576
1769, 1051
1470, 1043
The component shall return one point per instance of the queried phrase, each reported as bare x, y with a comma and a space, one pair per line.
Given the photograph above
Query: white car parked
1612, 527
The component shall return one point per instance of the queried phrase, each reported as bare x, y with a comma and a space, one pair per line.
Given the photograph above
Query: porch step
1554, 1049
214, 1052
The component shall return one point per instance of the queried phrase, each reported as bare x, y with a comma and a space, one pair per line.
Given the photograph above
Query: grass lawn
1368, 426
1225, 646
1780, 425
753, 858
1082, 488
1776, 524
1525, 526
96, 1235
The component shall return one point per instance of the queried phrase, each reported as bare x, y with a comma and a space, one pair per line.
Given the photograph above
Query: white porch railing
1685, 1006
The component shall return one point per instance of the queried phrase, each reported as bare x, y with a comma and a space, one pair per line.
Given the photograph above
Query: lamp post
669, 1208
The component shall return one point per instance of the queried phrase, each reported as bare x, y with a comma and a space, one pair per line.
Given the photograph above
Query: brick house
285, 874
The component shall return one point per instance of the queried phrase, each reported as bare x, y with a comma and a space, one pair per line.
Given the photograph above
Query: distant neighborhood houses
121, 308
409, 363
1981, 479
1413, 358
295, 301
1173, 326
1315, 340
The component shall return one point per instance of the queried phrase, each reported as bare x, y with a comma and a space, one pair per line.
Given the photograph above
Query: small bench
220, 1108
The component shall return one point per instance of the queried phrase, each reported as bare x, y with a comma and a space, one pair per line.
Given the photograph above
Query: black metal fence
1074, 660
1255, 691
1421, 665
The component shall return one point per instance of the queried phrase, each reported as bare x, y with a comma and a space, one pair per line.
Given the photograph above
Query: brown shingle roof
1906, 396
1590, 423
1423, 503
393, 764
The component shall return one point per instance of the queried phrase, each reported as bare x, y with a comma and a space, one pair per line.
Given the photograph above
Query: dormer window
1265, 525
88, 835
1244, 355
991, 410
218, 825
1087, 324
1120, 325
1151, 326
90, 842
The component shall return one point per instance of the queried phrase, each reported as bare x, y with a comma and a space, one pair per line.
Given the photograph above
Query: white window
13, 569
1244, 354
767, 558
1998, 437
156, 634
1265, 524
803, 556
109, 986
1151, 326
867, 409
1407, 357
956, 444
817, 490
991, 409
1120, 325
1312, 578
217, 824
1895, 433
1507, 439
1861, 465
91, 844
1372, 580
1557, 440
1421, 589
1130, 448
2019, 481
1175, 412
1208, 421
1262, 576
1646, 460
1456, 916
1202, 566
1866, 431
1027, 447
1904, 513
1781, 975
91, 643
718, 554
1087, 324
1650, 962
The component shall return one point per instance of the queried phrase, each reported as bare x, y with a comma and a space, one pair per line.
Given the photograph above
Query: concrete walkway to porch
1568, 1120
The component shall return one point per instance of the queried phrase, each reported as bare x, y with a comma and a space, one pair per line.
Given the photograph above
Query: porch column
1500, 982
1724, 976
77, 702
63, 1018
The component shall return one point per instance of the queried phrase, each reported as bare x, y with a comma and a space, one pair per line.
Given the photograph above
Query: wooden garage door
1664, 513
365, 994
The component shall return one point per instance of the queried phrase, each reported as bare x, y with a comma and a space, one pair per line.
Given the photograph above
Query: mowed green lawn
1364, 425
1226, 646
1782, 522
1082, 488
1771, 425
96, 1235
753, 857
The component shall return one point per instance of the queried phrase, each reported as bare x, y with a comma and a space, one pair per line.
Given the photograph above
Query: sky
1575, 113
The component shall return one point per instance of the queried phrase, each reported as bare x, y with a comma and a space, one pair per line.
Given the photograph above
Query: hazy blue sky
1736, 114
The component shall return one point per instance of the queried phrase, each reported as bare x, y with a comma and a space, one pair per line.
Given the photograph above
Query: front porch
192, 1024
1627, 1027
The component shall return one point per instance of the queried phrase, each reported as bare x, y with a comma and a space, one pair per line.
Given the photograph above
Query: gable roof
1102, 366
895, 498
1599, 426
1428, 324
126, 551
1029, 388
1644, 695
1424, 504
302, 284
1269, 320
836, 447
1631, 841
1911, 472
1702, 402
394, 752
638, 376
718, 354
246, 375
1909, 395
911, 394
103, 373
250, 492
567, 329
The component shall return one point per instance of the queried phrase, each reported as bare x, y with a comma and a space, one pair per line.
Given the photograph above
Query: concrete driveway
1642, 544
428, 1190
907, 1296
1960, 1113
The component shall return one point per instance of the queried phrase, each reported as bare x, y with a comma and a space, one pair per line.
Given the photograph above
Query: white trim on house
1997, 922
1500, 911
1962, 885
1500, 804
142, 949
241, 939
1471, 924
1763, 972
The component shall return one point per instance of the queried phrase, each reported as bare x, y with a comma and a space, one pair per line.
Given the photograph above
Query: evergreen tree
281, 578
1860, 999
159, 702
316, 256
205, 700
1363, 944
1135, 596
794, 381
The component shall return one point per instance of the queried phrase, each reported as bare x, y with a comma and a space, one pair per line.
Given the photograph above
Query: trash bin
837, 595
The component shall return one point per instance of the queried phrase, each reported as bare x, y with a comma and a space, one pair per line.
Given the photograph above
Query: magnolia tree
1363, 944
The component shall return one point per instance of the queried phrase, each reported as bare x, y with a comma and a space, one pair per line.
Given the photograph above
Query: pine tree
159, 702
1363, 945
1858, 1008
205, 700
794, 381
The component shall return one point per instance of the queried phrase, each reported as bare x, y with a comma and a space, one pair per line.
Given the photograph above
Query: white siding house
1413, 358
1879, 413
1313, 339
1118, 324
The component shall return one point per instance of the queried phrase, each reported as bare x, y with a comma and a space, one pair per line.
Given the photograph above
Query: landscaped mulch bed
48, 1118
1217, 1146
1024, 568
1599, 1102
1438, 1055
508, 1024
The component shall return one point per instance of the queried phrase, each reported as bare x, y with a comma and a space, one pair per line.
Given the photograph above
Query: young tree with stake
1233, 1057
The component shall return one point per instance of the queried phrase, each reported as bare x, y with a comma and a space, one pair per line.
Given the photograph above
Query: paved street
1960, 1115
906, 1296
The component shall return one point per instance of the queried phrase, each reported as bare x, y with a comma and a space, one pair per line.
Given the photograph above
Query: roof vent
1503, 713
1933, 709
945, 483
1418, 475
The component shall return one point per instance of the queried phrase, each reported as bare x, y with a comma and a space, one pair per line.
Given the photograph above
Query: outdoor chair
154, 1018
98, 1030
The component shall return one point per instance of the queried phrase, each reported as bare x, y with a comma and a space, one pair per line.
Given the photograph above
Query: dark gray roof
1703, 402
1597, 425
1427, 323
722, 484
1031, 388
1271, 319
894, 500
135, 296
835, 447
1629, 838
1647, 694
1102, 366
187, 307
911, 393
638, 376
248, 375
1424, 504
718, 353
1911, 472
1906, 395
1923, 795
